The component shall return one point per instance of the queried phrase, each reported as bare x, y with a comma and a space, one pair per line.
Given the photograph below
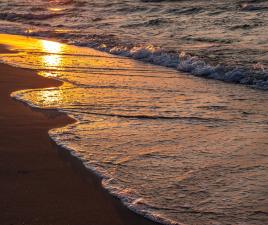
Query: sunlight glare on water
55, 49
51, 46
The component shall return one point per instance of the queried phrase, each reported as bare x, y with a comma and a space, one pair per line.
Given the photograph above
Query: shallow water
225, 40
175, 148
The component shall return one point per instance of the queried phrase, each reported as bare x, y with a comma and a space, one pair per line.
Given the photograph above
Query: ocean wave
256, 76
249, 6
151, 22
176, 34
131, 9
187, 11
28, 16
195, 66
151, 117
62, 2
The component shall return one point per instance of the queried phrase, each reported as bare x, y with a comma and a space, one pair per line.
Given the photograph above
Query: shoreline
96, 147
32, 165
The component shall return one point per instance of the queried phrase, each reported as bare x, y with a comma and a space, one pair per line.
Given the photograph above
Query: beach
92, 138
41, 183
133, 112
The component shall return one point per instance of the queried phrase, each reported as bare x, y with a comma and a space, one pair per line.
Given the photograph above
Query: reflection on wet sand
54, 59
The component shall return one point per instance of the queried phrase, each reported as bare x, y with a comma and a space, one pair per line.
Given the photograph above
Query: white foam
189, 64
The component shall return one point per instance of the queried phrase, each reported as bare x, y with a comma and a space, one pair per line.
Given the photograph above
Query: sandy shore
40, 183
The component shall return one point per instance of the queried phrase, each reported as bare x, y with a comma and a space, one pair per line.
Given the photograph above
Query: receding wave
151, 117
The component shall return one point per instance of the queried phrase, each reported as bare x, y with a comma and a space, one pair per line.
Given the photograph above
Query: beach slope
40, 183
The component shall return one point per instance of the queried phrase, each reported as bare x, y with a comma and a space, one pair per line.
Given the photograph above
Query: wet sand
40, 183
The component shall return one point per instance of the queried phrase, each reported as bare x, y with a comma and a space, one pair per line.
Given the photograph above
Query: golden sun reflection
51, 46
54, 59
46, 74
49, 97
54, 9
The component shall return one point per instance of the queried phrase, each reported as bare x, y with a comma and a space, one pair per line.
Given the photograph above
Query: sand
41, 183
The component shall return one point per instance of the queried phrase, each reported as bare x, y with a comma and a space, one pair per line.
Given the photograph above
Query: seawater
175, 148
225, 40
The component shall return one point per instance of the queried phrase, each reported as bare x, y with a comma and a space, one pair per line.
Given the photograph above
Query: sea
170, 99
225, 40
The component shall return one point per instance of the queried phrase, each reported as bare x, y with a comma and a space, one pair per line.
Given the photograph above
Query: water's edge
92, 169
17, 95
71, 137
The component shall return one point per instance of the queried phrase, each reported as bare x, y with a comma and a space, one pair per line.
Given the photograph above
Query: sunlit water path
173, 147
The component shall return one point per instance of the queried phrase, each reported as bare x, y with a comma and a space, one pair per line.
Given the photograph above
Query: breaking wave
219, 41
